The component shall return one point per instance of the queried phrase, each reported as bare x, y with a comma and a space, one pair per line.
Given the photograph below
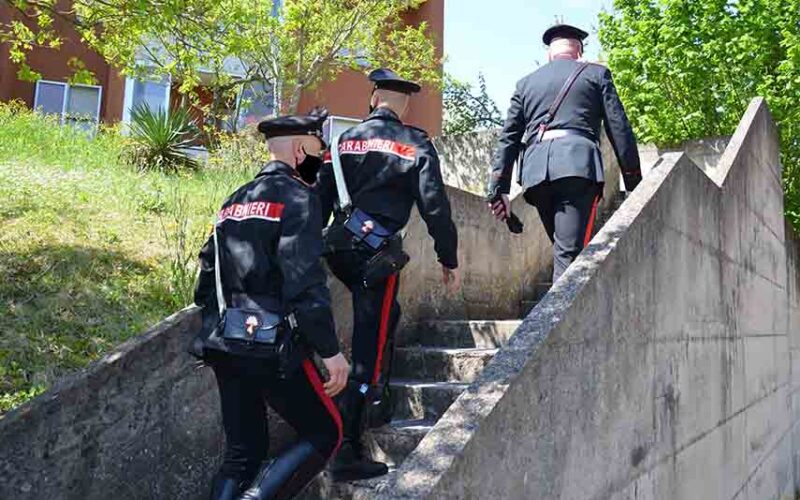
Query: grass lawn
91, 251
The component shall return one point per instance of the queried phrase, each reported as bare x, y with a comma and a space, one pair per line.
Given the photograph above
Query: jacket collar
384, 113
277, 167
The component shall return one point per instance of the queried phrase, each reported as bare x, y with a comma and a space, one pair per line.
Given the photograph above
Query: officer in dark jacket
562, 170
270, 243
388, 167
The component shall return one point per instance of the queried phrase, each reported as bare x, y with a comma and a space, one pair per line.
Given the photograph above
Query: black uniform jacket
388, 167
270, 237
591, 100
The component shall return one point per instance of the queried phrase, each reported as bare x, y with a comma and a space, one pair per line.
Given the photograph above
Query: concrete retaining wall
664, 364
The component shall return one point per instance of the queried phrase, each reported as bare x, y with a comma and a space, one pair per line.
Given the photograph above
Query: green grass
92, 252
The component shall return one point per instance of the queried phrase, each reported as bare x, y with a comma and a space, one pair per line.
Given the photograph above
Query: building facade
114, 95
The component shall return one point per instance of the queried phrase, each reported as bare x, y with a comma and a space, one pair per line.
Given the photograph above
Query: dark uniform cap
563, 31
385, 78
310, 124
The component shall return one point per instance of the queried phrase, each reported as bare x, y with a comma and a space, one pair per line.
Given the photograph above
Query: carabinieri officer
388, 167
561, 167
266, 271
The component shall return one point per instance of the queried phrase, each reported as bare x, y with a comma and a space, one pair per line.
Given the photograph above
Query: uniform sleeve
434, 207
305, 291
620, 133
326, 188
508, 146
205, 294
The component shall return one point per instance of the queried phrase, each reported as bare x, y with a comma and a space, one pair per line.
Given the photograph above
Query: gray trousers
567, 207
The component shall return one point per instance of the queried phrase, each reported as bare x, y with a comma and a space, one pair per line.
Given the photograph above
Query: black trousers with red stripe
244, 386
567, 207
376, 313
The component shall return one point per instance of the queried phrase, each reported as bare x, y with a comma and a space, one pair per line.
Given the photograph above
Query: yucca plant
160, 138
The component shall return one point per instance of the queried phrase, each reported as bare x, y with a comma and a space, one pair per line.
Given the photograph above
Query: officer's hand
451, 279
501, 208
338, 369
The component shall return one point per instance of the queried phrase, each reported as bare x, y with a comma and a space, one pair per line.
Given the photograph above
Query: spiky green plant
160, 138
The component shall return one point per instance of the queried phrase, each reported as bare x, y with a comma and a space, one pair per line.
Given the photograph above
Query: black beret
385, 78
310, 124
563, 31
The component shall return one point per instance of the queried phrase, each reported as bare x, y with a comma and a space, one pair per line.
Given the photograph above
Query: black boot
350, 463
224, 488
287, 475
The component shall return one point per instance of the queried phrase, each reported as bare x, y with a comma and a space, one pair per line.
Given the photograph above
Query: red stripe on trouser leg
386, 311
316, 383
590, 225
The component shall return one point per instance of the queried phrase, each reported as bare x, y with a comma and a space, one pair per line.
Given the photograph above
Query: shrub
241, 153
161, 138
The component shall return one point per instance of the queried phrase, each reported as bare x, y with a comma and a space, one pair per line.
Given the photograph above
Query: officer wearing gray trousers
561, 169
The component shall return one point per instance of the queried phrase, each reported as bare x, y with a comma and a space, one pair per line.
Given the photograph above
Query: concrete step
323, 487
438, 364
399, 438
414, 399
459, 334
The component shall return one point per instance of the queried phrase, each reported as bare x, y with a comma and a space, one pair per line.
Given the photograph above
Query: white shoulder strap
341, 186
217, 273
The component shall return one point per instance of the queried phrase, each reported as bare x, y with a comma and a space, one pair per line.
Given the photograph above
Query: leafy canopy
687, 69
227, 43
466, 109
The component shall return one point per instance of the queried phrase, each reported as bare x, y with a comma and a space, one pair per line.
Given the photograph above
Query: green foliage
466, 110
687, 69
160, 139
244, 152
298, 45
92, 251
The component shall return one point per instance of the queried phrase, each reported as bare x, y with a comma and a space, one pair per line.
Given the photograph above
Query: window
256, 102
76, 105
154, 94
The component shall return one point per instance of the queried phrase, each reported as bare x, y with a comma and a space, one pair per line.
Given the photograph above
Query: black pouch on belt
389, 260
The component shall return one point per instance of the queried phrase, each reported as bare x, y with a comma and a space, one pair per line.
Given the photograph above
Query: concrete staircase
434, 363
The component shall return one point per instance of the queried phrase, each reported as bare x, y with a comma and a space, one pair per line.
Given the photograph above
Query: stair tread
407, 426
424, 384
451, 350
471, 321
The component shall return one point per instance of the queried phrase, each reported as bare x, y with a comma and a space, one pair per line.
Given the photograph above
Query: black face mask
309, 167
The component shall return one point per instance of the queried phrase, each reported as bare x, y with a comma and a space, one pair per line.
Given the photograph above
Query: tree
687, 69
294, 44
466, 110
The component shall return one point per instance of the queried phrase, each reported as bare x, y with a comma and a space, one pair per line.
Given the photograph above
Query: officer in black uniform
388, 167
562, 172
270, 242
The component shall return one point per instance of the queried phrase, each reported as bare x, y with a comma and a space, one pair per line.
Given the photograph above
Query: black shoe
224, 488
350, 465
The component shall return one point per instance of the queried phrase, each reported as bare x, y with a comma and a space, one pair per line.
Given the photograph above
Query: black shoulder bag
346, 232
252, 331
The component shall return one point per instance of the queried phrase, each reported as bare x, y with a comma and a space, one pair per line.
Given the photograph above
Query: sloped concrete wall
143, 422
664, 363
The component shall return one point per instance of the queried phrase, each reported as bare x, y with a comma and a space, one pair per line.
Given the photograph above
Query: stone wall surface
664, 363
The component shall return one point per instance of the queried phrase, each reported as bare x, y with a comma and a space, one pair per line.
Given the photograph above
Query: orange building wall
52, 64
349, 94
